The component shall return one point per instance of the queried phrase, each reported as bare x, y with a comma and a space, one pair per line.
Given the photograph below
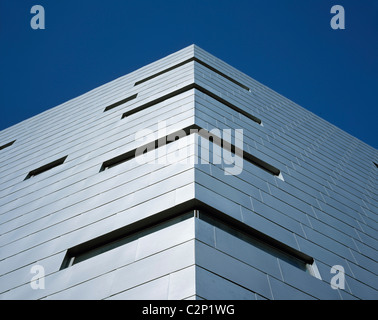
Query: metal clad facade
323, 204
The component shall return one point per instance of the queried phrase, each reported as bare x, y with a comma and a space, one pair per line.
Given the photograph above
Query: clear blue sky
287, 45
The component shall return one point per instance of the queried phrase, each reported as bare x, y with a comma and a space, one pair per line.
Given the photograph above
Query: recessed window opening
190, 130
120, 237
258, 239
45, 167
164, 219
118, 160
246, 155
7, 145
185, 89
116, 104
201, 63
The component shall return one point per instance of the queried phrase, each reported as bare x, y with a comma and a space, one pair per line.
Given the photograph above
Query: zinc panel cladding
324, 206
314, 170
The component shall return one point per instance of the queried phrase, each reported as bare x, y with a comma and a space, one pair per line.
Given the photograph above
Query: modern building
186, 179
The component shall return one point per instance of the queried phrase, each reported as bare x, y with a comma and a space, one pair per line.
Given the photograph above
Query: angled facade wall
78, 206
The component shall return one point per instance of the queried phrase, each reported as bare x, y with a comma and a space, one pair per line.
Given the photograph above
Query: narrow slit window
200, 211
118, 160
45, 167
7, 145
256, 238
118, 103
119, 237
201, 63
185, 89
204, 134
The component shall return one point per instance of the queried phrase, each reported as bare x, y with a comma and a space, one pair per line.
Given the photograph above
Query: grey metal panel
182, 283
153, 267
26, 292
362, 290
213, 287
282, 203
95, 289
363, 275
172, 235
283, 291
284, 218
319, 253
153, 290
307, 283
217, 201
246, 252
223, 188
205, 232
277, 231
104, 263
232, 269
24, 275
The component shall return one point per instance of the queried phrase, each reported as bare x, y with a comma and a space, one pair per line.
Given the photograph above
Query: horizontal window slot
253, 236
222, 74
162, 72
131, 154
118, 160
123, 236
246, 155
120, 102
7, 145
185, 89
46, 167
192, 208
190, 130
198, 61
